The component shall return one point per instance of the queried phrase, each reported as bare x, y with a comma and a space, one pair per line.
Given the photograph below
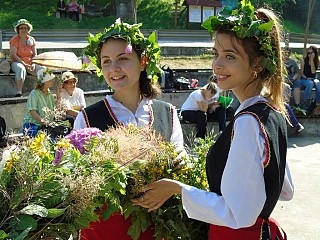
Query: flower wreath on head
132, 34
245, 24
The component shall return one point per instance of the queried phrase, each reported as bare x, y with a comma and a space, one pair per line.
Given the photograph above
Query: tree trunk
310, 10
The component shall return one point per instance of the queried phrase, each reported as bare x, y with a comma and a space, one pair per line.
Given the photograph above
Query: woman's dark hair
147, 88
316, 56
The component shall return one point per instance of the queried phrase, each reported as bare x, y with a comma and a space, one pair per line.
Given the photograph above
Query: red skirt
250, 233
114, 228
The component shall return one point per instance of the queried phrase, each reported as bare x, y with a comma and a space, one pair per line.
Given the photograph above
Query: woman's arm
14, 56
302, 70
203, 105
34, 50
34, 114
312, 64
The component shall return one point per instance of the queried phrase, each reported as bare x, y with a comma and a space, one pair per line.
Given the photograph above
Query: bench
58, 15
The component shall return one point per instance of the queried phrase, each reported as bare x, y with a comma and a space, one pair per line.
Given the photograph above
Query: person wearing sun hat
22, 50
39, 101
72, 97
129, 63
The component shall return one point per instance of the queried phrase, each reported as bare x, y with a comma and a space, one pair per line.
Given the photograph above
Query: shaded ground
300, 216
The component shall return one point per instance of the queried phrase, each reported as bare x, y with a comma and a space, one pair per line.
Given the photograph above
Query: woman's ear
257, 66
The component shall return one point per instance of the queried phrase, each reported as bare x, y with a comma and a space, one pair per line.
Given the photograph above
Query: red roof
206, 3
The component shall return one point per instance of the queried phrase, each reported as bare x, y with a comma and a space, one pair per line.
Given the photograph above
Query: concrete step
13, 109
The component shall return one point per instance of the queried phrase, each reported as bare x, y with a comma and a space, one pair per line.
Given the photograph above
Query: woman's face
231, 65
50, 83
23, 29
311, 52
121, 70
70, 85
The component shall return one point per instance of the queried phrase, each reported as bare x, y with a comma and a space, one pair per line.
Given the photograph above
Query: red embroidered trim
109, 108
171, 116
267, 160
85, 117
151, 120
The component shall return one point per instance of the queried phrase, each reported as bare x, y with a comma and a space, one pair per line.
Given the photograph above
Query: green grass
291, 27
154, 14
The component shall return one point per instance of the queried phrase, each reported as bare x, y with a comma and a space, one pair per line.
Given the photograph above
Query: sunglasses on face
286, 54
310, 53
70, 82
23, 28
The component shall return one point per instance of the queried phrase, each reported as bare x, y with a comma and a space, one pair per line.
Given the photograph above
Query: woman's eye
230, 57
106, 61
122, 59
214, 54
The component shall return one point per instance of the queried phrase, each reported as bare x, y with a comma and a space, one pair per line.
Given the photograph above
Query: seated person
61, 8
292, 117
293, 75
40, 100
309, 66
195, 108
72, 98
73, 9
216, 111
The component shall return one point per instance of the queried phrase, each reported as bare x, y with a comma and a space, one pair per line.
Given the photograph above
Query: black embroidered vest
273, 126
100, 115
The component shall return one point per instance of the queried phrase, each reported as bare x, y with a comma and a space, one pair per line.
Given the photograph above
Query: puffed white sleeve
79, 123
287, 190
177, 134
242, 184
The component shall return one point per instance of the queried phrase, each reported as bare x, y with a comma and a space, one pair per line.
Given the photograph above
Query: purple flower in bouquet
78, 138
86, 60
58, 156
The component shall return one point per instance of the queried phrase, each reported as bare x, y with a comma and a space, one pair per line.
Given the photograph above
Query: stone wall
86, 81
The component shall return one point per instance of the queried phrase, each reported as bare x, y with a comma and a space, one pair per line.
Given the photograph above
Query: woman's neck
130, 101
70, 92
44, 90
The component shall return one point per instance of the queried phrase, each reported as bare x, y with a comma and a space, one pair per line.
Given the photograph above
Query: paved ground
300, 217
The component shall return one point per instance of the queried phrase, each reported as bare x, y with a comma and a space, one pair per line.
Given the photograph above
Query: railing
62, 35
162, 35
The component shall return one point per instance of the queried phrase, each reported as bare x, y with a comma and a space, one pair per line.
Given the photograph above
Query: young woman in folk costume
129, 64
246, 167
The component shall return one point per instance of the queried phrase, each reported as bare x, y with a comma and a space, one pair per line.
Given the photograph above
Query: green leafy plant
53, 189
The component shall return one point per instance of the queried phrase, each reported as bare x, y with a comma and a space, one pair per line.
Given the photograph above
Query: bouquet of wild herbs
53, 189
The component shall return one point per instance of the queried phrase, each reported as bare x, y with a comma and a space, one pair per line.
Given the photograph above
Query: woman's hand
59, 88
30, 67
311, 56
179, 160
156, 193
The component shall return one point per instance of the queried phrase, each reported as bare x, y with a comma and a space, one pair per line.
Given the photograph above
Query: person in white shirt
195, 108
71, 97
247, 169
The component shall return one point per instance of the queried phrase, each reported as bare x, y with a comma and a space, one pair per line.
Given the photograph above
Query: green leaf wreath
245, 24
